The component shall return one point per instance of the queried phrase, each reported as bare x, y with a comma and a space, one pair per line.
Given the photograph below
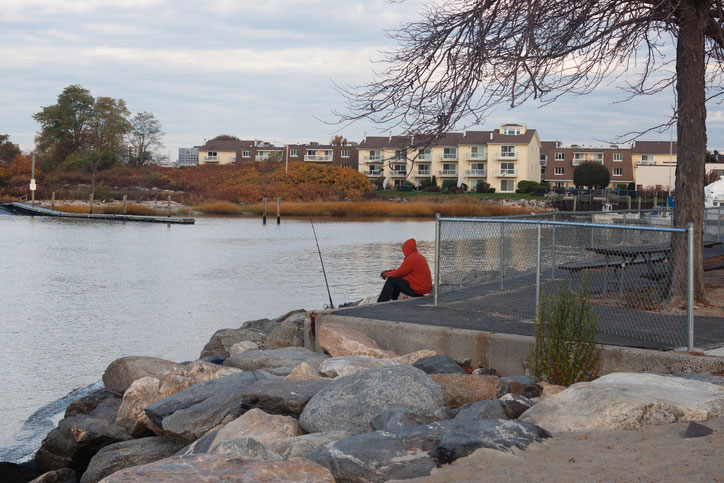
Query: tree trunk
691, 146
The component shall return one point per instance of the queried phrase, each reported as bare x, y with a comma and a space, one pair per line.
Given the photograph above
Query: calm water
76, 295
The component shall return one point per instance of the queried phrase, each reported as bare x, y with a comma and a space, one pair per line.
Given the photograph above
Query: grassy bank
418, 208
437, 195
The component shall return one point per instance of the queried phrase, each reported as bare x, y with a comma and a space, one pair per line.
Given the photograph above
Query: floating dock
30, 210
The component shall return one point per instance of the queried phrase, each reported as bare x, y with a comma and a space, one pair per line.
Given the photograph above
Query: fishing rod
331, 305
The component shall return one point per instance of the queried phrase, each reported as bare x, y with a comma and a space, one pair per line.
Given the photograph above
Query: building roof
448, 139
223, 145
653, 147
546, 145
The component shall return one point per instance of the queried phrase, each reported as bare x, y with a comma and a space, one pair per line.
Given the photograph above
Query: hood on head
410, 246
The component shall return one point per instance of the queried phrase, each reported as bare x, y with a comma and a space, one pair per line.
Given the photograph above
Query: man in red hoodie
411, 278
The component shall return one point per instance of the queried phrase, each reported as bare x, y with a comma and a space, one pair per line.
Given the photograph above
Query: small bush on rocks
565, 350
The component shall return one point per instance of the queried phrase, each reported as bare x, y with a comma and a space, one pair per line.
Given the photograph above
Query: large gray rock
348, 365
201, 445
276, 361
125, 454
74, 442
439, 365
392, 419
90, 402
121, 373
281, 397
210, 467
222, 340
479, 410
303, 445
189, 414
627, 401
63, 475
288, 333
349, 403
413, 451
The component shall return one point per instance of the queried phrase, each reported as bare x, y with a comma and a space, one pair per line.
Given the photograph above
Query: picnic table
624, 256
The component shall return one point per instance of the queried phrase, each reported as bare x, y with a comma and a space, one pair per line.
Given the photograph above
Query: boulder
303, 372
244, 447
131, 414
223, 339
121, 373
193, 373
339, 340
515, 406
288, 333
627, 401
201, 445
696, 430
279, 362
509, 385
348, 365
210, 467
349, 403
125, 454
413, 357
413, 451
303, 445
438, 365
189, 414
74, 442
12, 472
241, 347
63, 475
548, 390
479, 410
258, 425
392, 419
90, 402
281, 397
461, 389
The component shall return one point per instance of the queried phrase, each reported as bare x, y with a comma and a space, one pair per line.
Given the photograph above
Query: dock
26, 209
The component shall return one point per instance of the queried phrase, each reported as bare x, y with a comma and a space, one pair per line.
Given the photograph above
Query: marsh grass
419, 208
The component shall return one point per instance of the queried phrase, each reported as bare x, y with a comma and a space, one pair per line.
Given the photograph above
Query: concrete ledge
506, 353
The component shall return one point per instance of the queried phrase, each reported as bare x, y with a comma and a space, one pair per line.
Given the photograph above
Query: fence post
553, 250
537, 269
690, 287
436, 287
718, 224
501, 253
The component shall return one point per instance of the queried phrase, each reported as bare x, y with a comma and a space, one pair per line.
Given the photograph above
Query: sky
254, 69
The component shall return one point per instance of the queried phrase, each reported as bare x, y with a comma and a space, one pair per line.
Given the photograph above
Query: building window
477, 152
559, 171
345, 165
507, 151
423, 169
345, 153
507, 169
618, 171
560, 156
507, 185
449, 169
424, 155
618, 156
213, 154
246, 153
375, 155
450, 153
543, 158
400, 154
511, 130
294, 152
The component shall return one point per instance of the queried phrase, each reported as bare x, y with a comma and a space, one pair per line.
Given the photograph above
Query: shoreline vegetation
334, 209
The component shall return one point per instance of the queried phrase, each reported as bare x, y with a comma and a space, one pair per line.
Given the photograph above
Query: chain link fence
504, 267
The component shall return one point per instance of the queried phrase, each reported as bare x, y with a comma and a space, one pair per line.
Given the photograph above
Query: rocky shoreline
258, 406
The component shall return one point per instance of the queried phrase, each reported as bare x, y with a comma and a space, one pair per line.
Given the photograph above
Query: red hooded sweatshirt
414, 269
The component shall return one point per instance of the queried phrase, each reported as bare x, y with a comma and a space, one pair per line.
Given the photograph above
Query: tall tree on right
145, 134
468, 56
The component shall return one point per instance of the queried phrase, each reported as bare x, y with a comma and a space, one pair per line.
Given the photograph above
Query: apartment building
343, 156
654, 164
501, 158
561, 161
238, 151
188, 156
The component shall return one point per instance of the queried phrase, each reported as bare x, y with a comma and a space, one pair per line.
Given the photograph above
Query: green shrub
482, 187
565, 350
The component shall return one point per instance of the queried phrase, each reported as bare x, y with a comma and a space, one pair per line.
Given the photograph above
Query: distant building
188, 156
342, 156
654, 164
561, 161
238, 151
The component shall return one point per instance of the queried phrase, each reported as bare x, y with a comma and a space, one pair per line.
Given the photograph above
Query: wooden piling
125, 198
575, 202
52, 201
279, 211
639, 198
629, 202
168, 205
263, 217
656, 199
90, 203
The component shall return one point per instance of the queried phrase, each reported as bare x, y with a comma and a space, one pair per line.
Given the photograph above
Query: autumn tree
225, 137
145, 135
8, 150
466, 57
339, 140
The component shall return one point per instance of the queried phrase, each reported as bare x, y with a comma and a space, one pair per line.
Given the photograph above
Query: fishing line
331, 305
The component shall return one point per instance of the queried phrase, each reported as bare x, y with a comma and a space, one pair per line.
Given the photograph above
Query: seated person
412, 277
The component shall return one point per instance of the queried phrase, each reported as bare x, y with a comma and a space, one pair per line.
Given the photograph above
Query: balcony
398, 173
544, 162
373, 172
476, 173
448, 158
506, 156
424, 157
646, 162
506, 173
423, 173
375, 159
268, 157
476, 157
448, 172
211, 159
319, 158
